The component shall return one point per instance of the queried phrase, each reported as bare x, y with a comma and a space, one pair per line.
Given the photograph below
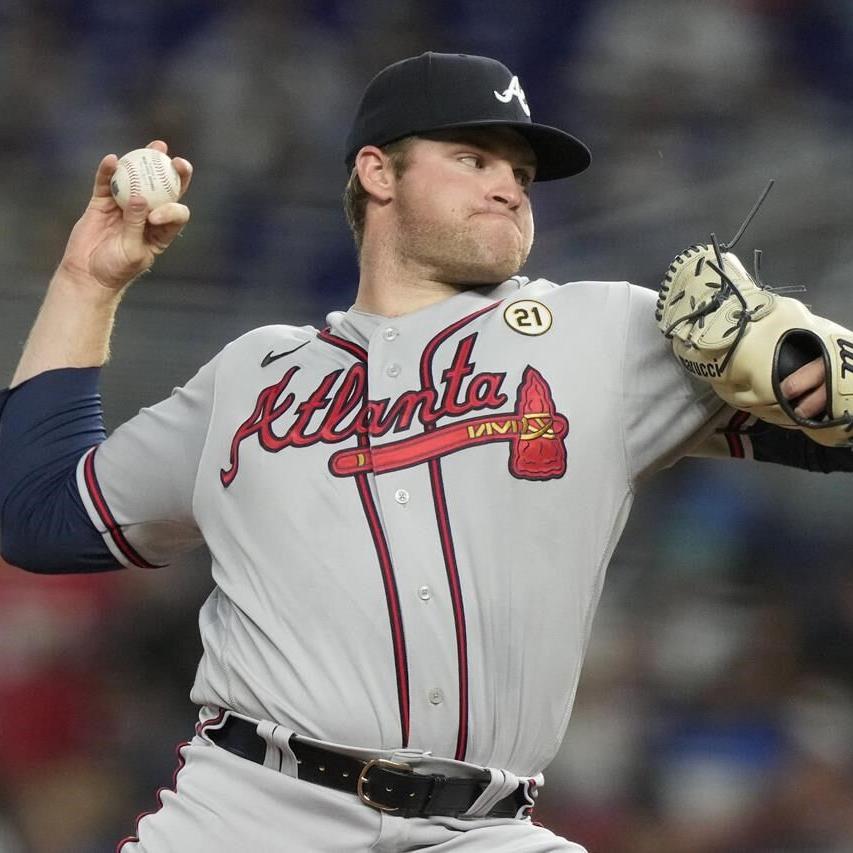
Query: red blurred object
50, 628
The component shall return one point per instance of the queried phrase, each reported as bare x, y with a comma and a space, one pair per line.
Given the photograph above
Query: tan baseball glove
744, 339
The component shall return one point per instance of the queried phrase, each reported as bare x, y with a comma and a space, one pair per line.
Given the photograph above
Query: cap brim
558, 154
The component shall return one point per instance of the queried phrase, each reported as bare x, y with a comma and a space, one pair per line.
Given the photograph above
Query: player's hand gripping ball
146, 172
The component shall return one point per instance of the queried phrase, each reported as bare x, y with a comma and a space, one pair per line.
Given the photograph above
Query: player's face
462, 205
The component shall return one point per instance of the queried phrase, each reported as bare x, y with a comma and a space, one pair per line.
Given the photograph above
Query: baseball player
409, 511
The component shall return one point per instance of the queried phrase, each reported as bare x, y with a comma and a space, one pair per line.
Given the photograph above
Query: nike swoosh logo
269, 358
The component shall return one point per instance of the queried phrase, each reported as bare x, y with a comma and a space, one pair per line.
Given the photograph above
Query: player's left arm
763, 353
670, 412
741, 436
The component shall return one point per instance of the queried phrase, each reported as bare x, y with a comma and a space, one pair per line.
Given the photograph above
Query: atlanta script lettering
342, 396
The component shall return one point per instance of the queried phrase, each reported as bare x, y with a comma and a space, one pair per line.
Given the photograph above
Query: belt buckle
362, 779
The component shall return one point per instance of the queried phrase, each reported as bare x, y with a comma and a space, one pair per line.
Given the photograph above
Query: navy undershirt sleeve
791, 447
46, 424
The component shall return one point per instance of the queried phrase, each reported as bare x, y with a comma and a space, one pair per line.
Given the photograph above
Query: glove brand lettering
709, 370
845, 352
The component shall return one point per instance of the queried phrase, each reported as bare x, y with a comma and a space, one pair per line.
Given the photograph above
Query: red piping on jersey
112, 527
383, 554
199, 729
440, 338
342, 343
452, 569
735, 442
446, 536
179, 751
393, 599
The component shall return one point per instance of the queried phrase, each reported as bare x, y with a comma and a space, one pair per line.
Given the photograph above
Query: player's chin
484, 258
490, 270
507, 260
497, 260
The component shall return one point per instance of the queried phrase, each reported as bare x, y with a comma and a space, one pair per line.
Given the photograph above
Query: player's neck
391, 288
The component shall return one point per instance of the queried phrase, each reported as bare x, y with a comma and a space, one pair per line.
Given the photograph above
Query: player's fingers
106, 168
159, 145
185, 170
805, 380
161, 236
170, 214
812, 404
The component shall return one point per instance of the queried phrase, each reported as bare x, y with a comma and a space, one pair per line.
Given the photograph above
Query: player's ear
376, 172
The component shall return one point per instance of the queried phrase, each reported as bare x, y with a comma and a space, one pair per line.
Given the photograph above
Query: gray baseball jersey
409, 518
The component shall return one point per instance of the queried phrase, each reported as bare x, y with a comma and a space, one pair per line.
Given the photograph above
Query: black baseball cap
438, 91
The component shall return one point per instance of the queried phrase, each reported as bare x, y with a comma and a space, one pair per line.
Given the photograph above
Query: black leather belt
390, 786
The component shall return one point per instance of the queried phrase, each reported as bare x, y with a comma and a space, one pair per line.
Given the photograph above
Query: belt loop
531, 792
279, 755
503, 784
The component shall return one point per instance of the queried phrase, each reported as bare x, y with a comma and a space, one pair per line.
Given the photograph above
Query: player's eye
524, 178
474, 160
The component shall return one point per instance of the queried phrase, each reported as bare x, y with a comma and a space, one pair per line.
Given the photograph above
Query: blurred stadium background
716, 709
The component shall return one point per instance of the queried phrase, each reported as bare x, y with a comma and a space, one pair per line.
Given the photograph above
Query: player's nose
504, 187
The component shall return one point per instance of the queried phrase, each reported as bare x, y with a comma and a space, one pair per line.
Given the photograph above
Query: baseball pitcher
409, 511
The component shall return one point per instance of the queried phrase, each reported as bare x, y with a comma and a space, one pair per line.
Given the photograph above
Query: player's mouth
499, 214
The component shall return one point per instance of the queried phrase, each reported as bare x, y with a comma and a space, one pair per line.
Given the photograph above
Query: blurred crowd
715, 713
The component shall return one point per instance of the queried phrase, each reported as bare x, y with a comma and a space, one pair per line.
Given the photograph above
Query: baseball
146, 172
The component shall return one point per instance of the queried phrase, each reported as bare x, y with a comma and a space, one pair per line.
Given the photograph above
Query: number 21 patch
528, 317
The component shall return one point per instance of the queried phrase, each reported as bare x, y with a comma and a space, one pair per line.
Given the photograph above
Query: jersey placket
408, 510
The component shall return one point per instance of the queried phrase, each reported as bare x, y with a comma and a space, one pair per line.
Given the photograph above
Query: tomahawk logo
514, 90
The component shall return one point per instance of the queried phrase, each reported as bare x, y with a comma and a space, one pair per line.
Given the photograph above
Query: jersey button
436, 696
393, 370
424, 593
401, 496
390, 333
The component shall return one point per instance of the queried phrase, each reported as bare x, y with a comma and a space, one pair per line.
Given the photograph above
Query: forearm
72, 329
107, 249
740, 436
793, 448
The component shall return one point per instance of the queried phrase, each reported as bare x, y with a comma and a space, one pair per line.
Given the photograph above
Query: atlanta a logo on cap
514, 90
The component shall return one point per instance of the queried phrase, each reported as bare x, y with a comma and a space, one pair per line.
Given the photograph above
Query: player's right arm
108, 248
51, 414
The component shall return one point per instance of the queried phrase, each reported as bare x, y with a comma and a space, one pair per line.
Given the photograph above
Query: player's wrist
85, 286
